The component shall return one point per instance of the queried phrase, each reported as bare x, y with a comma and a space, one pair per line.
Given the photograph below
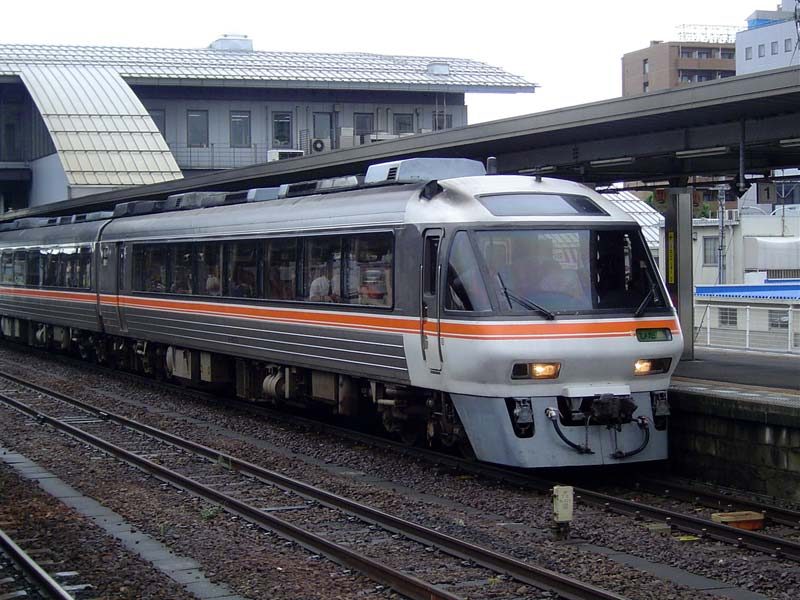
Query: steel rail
400, 582
32, 570
539, 577
712, 499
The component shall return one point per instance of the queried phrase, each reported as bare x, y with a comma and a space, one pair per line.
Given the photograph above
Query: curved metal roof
176, 66
103, 134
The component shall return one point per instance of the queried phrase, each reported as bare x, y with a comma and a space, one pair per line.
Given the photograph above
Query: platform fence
745, 327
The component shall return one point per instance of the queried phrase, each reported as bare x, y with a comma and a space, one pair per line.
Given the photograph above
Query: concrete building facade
78, 120
769, 42
667, 65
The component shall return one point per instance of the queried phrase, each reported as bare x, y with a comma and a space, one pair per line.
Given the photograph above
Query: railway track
243, 488
22, 577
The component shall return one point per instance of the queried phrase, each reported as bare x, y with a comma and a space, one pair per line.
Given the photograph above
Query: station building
79, 120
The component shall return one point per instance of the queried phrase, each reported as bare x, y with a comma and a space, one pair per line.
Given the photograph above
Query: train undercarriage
413, 415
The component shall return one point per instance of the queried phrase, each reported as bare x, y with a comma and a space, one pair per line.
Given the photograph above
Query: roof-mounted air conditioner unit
277, 154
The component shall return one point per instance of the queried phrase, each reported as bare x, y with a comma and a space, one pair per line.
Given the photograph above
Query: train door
109, 268
118, 284
430, 326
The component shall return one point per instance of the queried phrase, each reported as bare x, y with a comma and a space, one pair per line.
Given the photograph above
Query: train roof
412, 191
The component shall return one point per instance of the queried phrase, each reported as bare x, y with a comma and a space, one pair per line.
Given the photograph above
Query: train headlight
651, 366
538, 370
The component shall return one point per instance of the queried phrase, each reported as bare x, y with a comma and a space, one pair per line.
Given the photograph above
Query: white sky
572, 49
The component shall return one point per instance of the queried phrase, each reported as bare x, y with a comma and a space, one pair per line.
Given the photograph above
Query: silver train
520, 319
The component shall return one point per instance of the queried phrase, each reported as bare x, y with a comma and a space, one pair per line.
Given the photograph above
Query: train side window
150, 268
209, 269
84, 278
34, 274
322, 269
51, 270
182, 269
66, 267
281, 262
7, 267
20, 267
368, 270
241, 268
465, 287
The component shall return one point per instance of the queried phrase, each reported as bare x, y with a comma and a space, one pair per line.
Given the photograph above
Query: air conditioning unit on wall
273, 155
319, 145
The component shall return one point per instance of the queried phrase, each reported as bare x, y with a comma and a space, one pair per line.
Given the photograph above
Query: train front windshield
550, 271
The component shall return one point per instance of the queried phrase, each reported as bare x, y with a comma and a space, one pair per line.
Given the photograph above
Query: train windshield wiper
525, 302
648, 298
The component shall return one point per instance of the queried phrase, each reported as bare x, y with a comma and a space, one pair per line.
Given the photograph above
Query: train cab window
281, 266
209, 269
35, 266
7, 267
181, 269
624, 274
368, 270
540, 205
322, 269
465, 286
150, 268
20, 267
241, 266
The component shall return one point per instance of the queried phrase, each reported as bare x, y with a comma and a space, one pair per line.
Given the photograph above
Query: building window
779, 320
281, 130
687, 53
197, 128
442, 120
774, 48
240, 128
704, 54
363, 123
323, 125
762, 50
711, 251
645, 87
727, 54
727, 317
748, 53
645, 66
403, 123
787, 45
160, 119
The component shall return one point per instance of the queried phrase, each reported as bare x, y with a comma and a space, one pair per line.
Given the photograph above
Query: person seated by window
213, 285
323, 289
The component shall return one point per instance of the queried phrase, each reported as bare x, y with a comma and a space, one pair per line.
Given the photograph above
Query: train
517, 319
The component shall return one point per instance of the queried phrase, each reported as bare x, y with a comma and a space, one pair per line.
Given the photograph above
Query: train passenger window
34, 273
465, 287
209, 269
84, 267
66, 267
20, 267
368, 270
241, 267
150, 268
51, 269
7, 267
281, 264
182, 269
322, 268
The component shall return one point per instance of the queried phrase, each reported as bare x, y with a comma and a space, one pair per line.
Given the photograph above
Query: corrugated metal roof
271, 69
648, 217
102, 132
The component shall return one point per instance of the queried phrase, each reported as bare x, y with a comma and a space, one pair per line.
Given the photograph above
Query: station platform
736, 421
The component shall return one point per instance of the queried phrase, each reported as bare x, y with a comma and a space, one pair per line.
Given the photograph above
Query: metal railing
218, 156
745, 327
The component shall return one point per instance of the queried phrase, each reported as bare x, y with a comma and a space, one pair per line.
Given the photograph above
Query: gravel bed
484, 512
252, 562
62, 536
